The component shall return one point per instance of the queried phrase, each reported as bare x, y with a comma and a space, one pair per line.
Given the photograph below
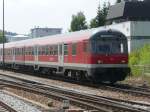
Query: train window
51, 50
109, 47
122, 49
43, 50
40, 51
74, 49
55, 50
60, 49
101, 47
19, 51
25, 51
117, 47
46, 50
105, 48
28, 51
65, 49
32, 52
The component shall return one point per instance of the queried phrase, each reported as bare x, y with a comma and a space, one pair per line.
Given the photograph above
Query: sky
22, 15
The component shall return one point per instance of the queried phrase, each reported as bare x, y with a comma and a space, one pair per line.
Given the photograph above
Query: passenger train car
98, 55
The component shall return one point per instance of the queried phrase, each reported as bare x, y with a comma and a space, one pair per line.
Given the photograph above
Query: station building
41, 32
18, 37
132, 18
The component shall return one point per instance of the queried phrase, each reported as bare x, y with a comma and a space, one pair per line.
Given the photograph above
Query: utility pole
3, 34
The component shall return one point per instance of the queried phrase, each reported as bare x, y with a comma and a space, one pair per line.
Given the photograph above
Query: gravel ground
17, 104
81, 88
35, 97
138, 81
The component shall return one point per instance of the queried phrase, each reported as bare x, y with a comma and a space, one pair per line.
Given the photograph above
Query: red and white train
96, 54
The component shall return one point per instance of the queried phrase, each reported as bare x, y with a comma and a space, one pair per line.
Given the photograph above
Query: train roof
60, 38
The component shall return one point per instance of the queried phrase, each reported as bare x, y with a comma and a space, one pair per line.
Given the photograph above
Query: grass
137, 60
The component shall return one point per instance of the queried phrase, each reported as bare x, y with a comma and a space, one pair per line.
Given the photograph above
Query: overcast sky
22, 15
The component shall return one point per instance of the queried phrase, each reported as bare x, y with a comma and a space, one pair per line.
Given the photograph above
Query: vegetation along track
84, 100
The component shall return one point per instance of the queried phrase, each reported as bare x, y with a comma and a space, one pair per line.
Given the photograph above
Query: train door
36, 54
61, 54
85, 53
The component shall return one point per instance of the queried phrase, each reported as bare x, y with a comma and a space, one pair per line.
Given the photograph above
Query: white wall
140, 28
124, 27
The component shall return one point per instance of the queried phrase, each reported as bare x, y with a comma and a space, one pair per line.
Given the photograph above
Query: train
98, 55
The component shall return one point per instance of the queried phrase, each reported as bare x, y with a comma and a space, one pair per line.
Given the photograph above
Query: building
133, 20
11, 38
41, 32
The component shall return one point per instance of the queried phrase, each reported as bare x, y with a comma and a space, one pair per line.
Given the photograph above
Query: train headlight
99, 62
123, 61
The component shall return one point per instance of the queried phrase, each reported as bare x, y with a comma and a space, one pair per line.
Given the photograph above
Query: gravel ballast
17, 104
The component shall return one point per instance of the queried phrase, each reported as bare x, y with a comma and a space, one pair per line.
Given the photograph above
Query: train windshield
110, 46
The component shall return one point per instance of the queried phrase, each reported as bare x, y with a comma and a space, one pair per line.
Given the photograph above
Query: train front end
109, 56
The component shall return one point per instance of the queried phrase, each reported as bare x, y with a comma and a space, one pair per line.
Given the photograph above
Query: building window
74, 48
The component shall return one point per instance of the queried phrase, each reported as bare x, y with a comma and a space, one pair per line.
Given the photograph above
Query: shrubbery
139, 57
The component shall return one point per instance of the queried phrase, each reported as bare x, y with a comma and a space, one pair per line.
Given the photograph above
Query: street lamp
3, 35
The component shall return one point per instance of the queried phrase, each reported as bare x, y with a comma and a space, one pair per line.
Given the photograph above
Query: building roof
38, 28
20, 36
135, 10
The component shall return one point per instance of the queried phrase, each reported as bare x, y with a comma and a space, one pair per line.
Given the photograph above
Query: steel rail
138, 91
8, 108
87, 98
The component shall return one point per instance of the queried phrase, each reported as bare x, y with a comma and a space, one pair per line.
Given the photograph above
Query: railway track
137, 91
86, 101
124, 88
5, 108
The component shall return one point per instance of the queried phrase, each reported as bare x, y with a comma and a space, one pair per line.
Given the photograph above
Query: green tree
78, 22
1, 38
100, 19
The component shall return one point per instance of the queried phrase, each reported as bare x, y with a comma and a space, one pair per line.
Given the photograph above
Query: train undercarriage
95, 75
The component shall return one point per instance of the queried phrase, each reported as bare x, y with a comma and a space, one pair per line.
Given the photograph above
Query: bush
139, 57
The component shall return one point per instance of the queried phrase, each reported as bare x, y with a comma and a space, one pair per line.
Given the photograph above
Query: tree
1, 37
100, 19
78, 22
118, 1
